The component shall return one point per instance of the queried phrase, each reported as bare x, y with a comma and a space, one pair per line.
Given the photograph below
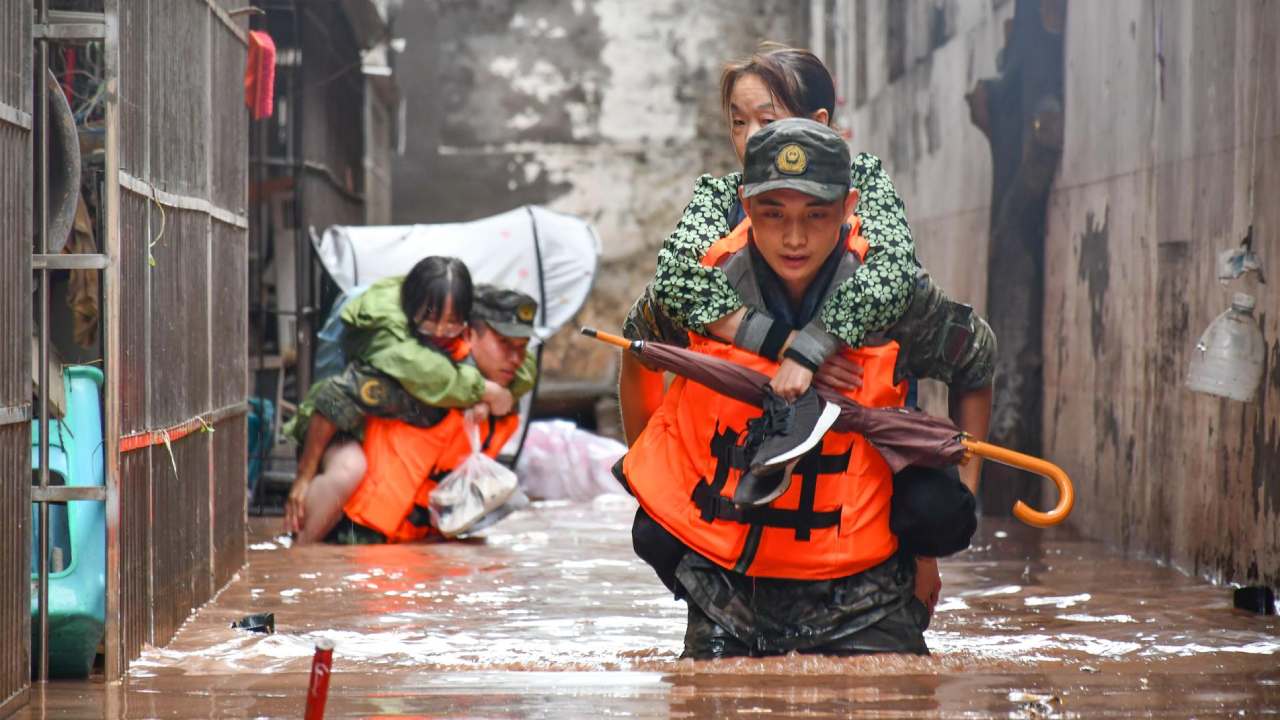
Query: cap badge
792, 160
525, 313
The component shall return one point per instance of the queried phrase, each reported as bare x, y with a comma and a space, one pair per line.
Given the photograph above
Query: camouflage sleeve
878, 293
335, 399
525, 376
691, 294
943, 340
361, 390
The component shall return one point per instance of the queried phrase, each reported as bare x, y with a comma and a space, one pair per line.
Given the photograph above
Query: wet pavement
551, 615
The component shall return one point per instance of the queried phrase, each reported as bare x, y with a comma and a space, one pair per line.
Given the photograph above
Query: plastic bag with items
561, 461
476, 488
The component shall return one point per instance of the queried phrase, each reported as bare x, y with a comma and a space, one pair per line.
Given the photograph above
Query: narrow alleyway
551, 616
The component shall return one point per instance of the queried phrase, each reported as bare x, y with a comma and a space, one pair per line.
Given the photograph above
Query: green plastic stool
77, 531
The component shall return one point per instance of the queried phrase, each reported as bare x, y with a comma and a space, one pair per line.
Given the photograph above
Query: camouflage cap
797, 154
509, 312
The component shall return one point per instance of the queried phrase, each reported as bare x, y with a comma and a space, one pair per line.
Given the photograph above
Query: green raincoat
378, 337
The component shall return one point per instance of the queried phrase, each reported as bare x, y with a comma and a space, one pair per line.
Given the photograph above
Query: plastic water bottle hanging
1228, 359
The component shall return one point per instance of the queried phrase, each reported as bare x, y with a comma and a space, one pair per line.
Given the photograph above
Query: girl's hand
293, 507
791, 380
498, 398
840, 373
928, 582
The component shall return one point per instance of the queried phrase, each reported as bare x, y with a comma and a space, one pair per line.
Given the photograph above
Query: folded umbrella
902, 436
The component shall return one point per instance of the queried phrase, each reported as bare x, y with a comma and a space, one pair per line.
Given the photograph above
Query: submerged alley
686, 358
551, 615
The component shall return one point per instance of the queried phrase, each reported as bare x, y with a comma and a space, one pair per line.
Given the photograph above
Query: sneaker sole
783, 486
830, 413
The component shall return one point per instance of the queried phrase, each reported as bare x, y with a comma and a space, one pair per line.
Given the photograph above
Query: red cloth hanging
260, 75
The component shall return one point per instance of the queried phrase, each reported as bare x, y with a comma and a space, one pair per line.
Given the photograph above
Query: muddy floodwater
551, 615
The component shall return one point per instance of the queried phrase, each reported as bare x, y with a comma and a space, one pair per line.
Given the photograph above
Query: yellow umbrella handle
610, 338
1021, 510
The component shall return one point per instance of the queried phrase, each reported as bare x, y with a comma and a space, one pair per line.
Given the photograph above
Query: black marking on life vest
749, 549
713, 505
419, 517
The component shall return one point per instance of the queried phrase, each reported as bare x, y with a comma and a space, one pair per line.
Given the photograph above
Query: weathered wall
606, 109
1165, 104
913, 64
909, 109
1173, 115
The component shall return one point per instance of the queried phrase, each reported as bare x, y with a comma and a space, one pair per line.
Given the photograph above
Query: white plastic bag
475, 488
561, 461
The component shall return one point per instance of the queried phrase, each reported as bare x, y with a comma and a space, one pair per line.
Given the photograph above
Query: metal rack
46, 32
173, 535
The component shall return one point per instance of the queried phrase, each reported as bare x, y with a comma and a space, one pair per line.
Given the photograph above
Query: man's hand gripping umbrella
903, 437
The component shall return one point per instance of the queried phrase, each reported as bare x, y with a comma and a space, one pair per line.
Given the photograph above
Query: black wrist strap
774, 340
793, 354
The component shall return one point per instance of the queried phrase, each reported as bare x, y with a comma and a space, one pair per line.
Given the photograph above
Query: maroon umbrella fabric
903, 436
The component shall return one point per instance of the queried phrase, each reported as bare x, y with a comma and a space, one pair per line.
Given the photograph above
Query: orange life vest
832, 522
404, 464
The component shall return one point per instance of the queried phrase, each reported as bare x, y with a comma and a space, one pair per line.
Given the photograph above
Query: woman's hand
791, 380
498, 398
840, 373
293, 507
928, 582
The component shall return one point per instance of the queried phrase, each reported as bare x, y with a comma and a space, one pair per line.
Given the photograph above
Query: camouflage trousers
732, 615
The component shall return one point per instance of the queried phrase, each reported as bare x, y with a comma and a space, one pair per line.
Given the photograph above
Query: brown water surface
551, 615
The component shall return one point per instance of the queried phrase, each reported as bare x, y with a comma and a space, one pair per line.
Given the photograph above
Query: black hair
795, 78
431, 284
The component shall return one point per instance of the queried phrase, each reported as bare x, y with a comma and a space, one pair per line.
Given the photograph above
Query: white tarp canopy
549, 255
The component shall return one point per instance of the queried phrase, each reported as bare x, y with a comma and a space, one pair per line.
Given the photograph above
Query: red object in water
318, 690
260, 75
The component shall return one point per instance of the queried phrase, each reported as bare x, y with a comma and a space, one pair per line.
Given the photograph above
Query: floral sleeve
693, 295
878, 293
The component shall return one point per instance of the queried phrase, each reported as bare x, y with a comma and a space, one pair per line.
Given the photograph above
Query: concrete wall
913, 63
1172, 116
607, 109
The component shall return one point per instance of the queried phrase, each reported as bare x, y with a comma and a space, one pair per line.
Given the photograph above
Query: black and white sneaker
756, 489
787, 431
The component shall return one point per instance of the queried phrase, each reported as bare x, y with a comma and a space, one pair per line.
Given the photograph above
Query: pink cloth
260, 75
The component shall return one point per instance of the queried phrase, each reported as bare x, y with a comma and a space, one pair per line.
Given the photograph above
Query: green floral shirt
694, 295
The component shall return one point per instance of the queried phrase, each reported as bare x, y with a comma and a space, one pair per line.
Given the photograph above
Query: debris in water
1035, 704
1088, 669
264, 623
1256, 599
1034, 698
318, 688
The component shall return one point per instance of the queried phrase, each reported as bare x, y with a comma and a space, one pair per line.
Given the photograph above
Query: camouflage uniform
731, 614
